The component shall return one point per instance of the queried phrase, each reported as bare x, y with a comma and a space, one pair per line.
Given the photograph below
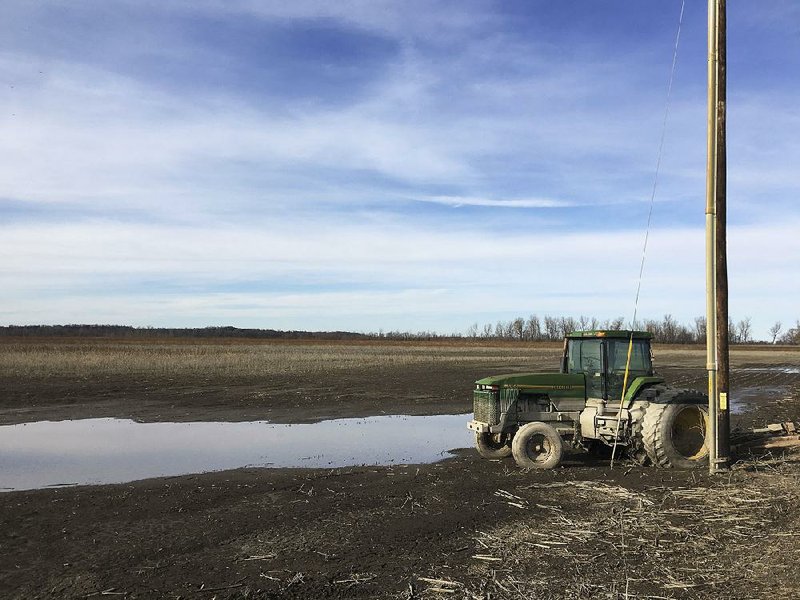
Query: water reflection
786, 370
94, 451
745, 399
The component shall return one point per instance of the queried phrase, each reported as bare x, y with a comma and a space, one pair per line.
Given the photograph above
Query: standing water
96, 451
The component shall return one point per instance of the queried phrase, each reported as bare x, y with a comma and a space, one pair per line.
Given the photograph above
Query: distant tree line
124, 331
548, 328
666, 330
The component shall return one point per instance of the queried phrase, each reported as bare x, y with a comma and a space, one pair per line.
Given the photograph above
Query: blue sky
398, 165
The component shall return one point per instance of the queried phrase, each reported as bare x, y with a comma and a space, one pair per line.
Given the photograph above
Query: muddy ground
463, 527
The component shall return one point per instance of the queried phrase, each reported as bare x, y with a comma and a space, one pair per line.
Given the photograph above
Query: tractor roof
611, 333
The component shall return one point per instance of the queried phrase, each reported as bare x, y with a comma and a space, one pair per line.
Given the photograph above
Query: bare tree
566, 325
616, 324
654, 327
775, 330
551, 327
733, 333
499, 330
533, 328
699, 329
517, 327
792, 336
669, 329
744, 328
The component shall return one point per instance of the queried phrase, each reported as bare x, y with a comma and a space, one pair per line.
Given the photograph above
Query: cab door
617, 360
588, 357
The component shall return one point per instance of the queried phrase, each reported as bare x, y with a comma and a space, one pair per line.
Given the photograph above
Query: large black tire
494, 446
674, 430
537, 446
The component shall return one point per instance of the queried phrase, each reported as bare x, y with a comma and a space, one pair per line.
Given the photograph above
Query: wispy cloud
457, 201
276, 164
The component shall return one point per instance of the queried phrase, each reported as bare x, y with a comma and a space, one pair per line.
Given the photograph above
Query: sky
398, 165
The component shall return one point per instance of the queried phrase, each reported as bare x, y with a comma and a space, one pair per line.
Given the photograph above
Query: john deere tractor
533, 416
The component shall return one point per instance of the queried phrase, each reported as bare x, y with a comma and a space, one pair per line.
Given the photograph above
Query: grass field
285, 381
59, 357
228, 358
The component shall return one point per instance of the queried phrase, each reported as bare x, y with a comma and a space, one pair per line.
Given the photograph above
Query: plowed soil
461, 528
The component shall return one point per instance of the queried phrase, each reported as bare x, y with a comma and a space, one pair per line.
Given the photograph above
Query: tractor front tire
537, 445
674, 433
494, 446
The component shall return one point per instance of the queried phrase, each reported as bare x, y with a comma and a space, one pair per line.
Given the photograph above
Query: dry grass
34, 358
738, 538
101, 357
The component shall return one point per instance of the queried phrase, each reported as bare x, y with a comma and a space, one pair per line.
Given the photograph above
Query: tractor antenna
649, 221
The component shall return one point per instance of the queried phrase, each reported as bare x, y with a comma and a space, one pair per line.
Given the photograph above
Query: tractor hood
543, 381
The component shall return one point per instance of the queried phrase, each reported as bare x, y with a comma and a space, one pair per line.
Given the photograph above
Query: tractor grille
486, 407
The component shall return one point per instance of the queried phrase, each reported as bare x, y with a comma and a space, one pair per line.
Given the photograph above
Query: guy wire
649, 221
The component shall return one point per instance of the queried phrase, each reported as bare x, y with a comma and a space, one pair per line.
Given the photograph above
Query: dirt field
461, 528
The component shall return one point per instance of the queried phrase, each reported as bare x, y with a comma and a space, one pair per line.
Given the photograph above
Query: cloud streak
458, 201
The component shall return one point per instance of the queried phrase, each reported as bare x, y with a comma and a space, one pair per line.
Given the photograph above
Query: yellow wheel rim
689, 433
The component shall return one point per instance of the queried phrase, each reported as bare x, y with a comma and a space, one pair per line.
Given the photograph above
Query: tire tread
651, 425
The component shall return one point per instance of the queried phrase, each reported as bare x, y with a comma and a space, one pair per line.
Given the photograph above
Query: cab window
586, 356
618, 356
641, 364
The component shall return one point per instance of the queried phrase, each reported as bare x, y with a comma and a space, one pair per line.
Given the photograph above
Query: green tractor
533, 416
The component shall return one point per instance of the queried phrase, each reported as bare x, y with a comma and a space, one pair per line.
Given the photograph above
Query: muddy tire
493, 446
674, 430
636, 450
537, 446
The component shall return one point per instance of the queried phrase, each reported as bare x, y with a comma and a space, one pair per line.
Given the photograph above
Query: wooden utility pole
716, 245
723, 364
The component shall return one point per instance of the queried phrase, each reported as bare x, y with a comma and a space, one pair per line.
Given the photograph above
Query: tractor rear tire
494, 446
537, 445
674, 430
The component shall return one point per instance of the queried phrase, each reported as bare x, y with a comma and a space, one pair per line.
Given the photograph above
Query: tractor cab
601, 357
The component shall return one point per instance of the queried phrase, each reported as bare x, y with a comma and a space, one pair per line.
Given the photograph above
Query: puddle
745, 399
97, 451
759, 386
783, 370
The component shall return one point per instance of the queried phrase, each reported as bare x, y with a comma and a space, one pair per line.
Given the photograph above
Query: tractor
534, 416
